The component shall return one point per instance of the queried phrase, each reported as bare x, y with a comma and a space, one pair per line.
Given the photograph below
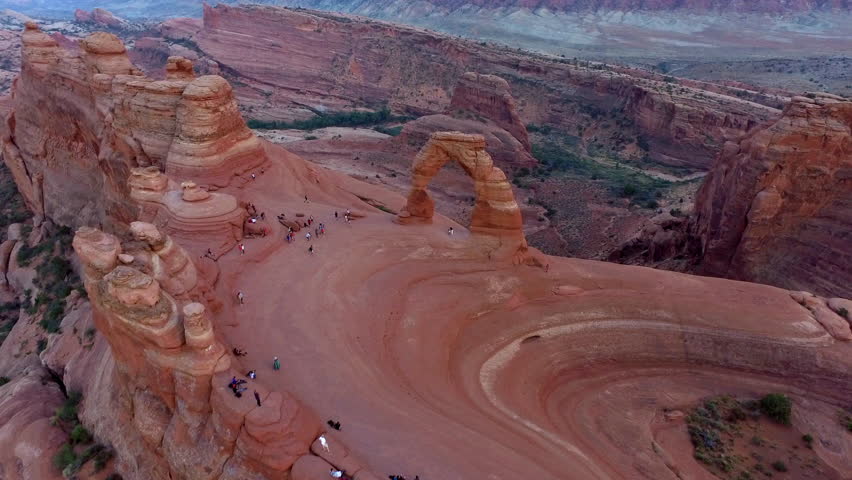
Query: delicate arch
495, 212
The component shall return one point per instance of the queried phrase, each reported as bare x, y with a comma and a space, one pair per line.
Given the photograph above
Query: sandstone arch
496, 212
496, 221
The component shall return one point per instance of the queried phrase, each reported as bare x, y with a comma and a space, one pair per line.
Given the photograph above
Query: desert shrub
67, 412
64, 457
4, 381
392, 131
779, 466
777, 406
675, 212
843, 312
113, 476
80, 435
334, 119
311, 137
808, 439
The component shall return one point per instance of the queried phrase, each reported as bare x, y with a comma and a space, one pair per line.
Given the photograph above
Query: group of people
238, 386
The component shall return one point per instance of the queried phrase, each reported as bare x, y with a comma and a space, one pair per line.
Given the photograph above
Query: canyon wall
81, 120
294, 64
777, 206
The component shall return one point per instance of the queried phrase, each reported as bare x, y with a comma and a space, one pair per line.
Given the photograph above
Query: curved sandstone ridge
82, 121
173, 374
776, 207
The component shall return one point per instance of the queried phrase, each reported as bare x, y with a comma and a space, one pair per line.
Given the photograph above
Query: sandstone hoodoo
776, 207
94, 108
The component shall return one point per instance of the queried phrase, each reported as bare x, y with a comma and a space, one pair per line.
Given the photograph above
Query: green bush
392, 131
777, 406
4, 381
808, 439
779, 466
67, 412
334, 119
80, 435
64, 457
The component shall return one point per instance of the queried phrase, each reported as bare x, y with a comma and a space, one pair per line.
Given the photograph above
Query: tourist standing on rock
336, 473
308, 236
251, 374
450, 231
276, 365
257, 398
311, 250
324, 443
335, 214
306, 199
241, 297
242, 249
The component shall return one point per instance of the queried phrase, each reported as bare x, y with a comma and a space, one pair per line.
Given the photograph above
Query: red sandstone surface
446, 356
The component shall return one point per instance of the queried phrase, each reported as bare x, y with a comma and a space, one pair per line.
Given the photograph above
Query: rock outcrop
777, 206
81, 121
490, 97
481, 105
189, 212
99, 17
173, 375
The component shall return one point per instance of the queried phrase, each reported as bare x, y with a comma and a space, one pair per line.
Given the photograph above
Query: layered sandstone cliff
293, 64
82, 120
480, 105
777, 206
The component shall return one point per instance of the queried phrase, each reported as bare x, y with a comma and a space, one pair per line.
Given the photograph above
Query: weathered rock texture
489, 96
288, 61
777, 206
188, 211
481, 105
82, 121
172, 375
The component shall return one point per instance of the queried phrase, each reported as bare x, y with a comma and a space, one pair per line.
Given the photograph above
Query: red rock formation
490, 97
481, 105
776, 207
82, 120
495, 214
173, 373
99, 17
289, 60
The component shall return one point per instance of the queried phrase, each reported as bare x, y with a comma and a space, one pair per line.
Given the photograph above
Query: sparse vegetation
779, 466
4, 381
777, 406
80, 447
809, 440
623, 182
392, 131
334, 119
